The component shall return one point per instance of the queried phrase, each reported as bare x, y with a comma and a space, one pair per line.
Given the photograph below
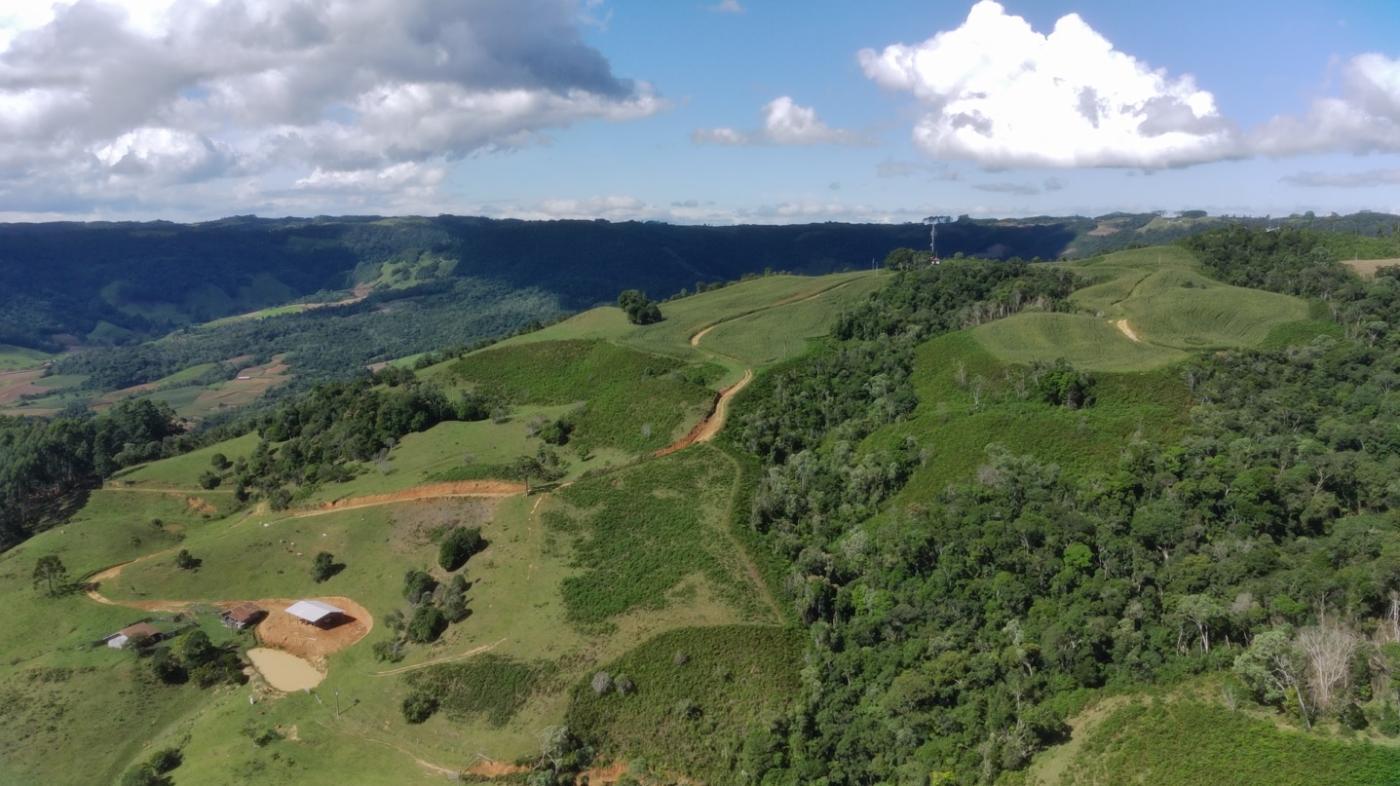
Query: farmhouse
314, 612
138, 634
243, 616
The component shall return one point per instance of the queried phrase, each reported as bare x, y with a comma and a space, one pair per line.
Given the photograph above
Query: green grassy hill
628, 599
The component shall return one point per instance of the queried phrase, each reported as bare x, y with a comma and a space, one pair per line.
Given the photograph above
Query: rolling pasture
1142, 309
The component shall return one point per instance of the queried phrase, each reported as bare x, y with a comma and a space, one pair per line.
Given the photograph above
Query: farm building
242, 616
322, 615
138, 634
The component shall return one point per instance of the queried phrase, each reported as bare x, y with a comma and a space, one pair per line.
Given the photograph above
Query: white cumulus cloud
1364, 118
117, 100
998, 92
785, 122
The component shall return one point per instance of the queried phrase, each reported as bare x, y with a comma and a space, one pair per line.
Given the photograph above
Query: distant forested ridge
116, 283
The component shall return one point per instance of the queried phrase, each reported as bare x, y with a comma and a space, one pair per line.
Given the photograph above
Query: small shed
138, 634
316, 613
242, 616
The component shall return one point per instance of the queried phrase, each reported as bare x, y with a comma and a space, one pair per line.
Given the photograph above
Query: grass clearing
1367, 268
1168, 303
641, 532
1187, 742
634, 401
1086, 342
692, 717
13, 358
182, 472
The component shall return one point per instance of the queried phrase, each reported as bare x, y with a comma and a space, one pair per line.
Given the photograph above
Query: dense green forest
950, 640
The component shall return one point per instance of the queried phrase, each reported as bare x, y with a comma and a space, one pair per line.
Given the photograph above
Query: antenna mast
933, 222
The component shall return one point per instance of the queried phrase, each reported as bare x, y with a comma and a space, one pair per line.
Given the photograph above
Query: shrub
454, 602
209, 480
641, 310
166, 760
219, 461
459, 546
417, 584
144, 775
324, 566
419, 707
187, 561
167, 669
427, 624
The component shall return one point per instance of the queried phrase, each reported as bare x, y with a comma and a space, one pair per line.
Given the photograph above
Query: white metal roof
312, 610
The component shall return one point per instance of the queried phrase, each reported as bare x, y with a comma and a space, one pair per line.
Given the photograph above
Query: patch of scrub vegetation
686, 700
968, 400
487, 686
1192, 743
1292, 334
641, 532
633, 401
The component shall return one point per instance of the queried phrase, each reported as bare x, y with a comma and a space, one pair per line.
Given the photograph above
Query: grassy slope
520, 599
737, 677
634, 401
78, 714
1168, 304
956, 433
12, 357
1193, 743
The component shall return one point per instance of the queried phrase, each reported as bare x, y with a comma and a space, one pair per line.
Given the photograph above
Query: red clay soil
282, 631
709, 425
462, 488
278, 630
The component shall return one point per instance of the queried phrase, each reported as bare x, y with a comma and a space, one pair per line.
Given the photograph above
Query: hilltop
987, 522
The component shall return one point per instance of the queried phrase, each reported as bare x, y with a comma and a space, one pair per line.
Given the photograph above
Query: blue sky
644, 109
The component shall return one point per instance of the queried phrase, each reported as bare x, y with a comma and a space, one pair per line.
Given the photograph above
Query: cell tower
933, 222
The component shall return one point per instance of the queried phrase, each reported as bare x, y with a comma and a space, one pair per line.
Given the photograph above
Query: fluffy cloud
727, 7
785, 122
105, 98
1364, 118
999, 93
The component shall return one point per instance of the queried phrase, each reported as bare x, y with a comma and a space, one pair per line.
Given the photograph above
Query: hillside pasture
13, 357
1086, 342
632, 401
784, 331
1188, 311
